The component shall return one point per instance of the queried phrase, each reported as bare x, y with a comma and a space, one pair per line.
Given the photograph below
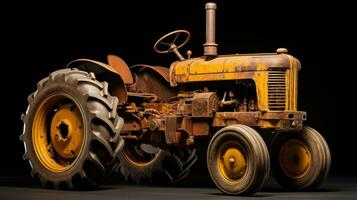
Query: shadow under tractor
146, 122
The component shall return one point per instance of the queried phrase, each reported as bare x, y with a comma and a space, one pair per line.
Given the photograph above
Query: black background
38, 39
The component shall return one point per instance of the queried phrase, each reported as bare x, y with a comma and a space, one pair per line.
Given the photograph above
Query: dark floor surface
26, 188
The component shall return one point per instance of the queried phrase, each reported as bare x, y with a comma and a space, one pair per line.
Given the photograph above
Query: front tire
71, 130
238, 160
300, 160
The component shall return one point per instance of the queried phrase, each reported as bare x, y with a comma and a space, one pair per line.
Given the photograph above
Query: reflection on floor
27, 188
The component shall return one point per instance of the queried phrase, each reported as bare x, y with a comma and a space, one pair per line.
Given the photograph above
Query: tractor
146, 122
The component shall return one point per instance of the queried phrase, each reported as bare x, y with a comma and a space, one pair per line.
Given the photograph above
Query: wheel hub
232, 163
67, 131
57, 132
294, 158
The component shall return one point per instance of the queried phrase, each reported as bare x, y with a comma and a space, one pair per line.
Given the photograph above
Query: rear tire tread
169, 168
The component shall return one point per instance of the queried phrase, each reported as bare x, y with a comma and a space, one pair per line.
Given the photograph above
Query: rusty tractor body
164, 114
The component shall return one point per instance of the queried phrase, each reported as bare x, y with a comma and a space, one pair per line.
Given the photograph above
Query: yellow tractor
146, 122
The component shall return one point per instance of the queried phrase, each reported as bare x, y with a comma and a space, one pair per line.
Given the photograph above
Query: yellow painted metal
294, 158
292, 83
139, 159
261, 79
226, 64
50, 156
240, 67
232, 161
67, 131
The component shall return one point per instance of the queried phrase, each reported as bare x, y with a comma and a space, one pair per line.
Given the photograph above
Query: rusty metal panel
200, 127
230, 118
282, 120
163, 71
200, 107
186, 125
204, 104
121, 68
187, 109
152, 81
171, 127
296, 115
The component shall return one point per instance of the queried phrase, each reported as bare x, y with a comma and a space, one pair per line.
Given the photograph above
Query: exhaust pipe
210, 47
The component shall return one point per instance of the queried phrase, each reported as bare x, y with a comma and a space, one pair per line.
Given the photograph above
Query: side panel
293, 84
154, 80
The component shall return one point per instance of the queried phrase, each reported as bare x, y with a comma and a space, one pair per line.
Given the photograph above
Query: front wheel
300, 160
238, 160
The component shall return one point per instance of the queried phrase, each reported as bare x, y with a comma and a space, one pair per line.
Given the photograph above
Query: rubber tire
102, 124
321, 159
257, 159
169, 167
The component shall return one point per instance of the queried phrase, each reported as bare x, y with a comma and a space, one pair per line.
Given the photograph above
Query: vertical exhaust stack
210, 47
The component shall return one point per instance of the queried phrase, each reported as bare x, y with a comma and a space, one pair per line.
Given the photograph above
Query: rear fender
162, 71
153, 79
106, 73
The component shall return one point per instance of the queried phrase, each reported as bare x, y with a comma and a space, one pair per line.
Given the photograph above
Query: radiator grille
276, 90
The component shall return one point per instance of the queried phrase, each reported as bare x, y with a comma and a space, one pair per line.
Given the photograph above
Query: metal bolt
190, 141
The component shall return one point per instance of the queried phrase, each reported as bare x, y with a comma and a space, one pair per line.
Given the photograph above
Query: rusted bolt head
190, 141
189, 52
154, 124
294, 124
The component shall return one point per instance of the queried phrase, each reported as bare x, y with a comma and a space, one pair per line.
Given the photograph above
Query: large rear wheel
238, 160
300, 160
71, 130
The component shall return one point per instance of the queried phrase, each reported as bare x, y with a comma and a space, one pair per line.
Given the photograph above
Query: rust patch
204, 104
121, 68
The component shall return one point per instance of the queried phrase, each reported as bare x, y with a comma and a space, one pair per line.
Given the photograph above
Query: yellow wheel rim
294, 158
232, 161
58, 132
137, 157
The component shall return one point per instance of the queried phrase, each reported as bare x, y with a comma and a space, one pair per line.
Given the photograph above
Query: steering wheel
166, 43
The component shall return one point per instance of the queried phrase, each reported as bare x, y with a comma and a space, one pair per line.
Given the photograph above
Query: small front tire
238, 160
300, 160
